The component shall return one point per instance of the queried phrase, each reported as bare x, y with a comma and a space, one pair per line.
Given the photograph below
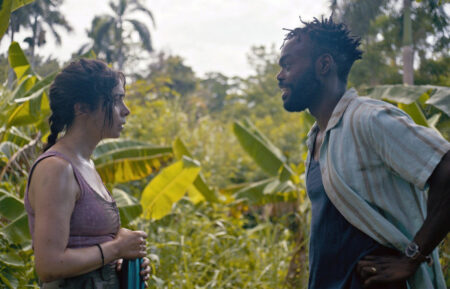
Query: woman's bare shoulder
53, 176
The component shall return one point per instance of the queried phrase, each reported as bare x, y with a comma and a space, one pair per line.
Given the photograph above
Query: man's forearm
437, 223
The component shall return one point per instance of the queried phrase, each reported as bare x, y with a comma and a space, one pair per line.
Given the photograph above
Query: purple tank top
94, 220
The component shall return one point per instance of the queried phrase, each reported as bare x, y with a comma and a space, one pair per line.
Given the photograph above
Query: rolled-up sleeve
411, 150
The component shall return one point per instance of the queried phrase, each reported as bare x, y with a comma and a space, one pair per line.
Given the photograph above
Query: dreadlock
329, 37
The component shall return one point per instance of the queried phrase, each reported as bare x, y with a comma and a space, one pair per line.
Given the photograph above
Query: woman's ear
80, 108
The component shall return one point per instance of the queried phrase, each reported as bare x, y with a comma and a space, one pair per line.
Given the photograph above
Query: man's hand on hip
385, 269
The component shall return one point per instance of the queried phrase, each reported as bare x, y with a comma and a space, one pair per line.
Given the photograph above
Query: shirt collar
336, 116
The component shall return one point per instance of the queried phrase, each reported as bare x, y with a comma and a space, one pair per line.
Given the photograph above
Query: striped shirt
375, 163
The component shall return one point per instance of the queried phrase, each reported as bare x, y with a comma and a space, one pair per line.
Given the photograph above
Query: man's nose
280, 76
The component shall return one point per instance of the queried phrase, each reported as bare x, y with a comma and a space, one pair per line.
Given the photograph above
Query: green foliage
200, 246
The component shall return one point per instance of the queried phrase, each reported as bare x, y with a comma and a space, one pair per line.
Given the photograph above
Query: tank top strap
78, 177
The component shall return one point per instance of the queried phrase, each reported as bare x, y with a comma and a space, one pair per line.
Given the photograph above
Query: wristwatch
413, 251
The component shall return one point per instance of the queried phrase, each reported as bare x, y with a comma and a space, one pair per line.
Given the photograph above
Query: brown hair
85, 81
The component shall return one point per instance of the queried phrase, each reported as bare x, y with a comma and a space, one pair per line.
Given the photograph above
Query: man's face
297, 77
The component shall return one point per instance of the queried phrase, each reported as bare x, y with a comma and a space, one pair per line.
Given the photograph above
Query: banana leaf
11, 207
129, 207
199, 190
261, 150
168, 187
119, 161
438, 96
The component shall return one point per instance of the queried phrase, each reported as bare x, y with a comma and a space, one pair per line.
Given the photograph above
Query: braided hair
85, 81
330, 37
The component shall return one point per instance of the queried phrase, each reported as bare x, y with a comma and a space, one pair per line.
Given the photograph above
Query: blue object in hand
134, 280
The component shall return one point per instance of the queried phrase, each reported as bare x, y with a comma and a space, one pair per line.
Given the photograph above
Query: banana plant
415, 100
282, 183
174, 182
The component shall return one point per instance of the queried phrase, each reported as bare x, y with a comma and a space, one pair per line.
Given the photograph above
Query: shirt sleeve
411, 150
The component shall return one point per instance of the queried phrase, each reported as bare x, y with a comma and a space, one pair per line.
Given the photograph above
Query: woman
73, 219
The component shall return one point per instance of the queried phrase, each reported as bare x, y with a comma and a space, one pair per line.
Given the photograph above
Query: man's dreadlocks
330, 37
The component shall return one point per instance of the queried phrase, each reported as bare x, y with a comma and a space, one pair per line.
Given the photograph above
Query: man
367, 171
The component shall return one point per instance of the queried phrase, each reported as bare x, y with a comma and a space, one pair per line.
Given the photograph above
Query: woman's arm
53, 193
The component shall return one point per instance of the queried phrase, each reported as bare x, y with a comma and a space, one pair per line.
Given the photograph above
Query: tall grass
201, 246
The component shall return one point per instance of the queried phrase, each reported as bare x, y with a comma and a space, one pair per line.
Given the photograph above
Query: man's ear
80, 108
324, 64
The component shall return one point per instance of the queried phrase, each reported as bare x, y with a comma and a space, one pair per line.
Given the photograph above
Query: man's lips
285, 89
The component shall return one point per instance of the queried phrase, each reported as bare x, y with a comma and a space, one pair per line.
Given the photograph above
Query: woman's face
119, 113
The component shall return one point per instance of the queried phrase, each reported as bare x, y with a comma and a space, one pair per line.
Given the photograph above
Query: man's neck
328, 99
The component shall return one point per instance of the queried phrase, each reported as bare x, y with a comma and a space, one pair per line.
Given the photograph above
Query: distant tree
182, 77
19, 19
414, 27
214, 89
112, 34
41, 16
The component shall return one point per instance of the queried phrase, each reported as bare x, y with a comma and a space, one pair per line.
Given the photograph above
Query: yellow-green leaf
168, 187
18, 61
5, 14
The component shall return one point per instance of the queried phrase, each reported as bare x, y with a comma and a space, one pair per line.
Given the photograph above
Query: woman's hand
131, 244
145, 270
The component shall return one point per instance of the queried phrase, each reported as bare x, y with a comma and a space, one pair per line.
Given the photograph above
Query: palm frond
138, 7
144, 33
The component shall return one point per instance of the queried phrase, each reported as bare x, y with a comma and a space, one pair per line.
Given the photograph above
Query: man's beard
303, 92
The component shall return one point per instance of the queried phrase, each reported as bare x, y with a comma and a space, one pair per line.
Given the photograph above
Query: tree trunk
34, 40
407, 48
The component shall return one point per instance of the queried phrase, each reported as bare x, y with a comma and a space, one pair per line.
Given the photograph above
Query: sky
210, 35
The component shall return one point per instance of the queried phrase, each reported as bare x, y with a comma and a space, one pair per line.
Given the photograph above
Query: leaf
260, 149
6, 281
199, 186
168, 187
194, 195
414, 111
31, 111
267, 191
180, 149
119, 161
8, 148
18, 61
25, 84
439, 96
15, 136
11, 207
432, 121
441, 100
39, 88
5, 13
16, 4
17, 231
11, 258
129, 207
